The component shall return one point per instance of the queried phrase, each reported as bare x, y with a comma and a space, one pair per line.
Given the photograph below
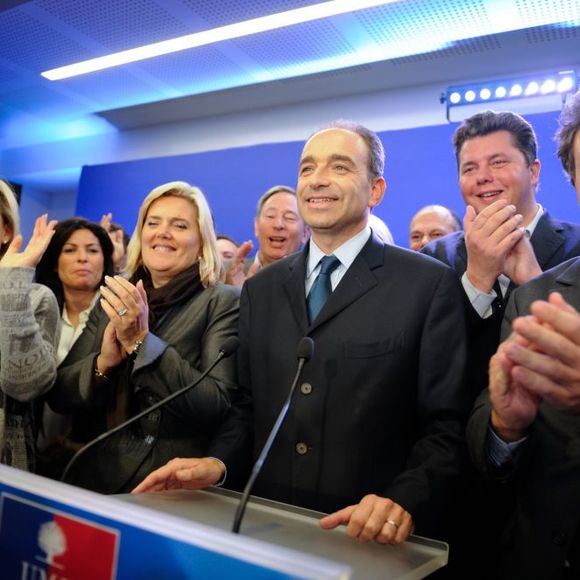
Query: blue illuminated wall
420, 170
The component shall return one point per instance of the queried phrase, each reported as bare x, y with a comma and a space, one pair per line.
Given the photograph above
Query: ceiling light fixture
228, 32
558, 83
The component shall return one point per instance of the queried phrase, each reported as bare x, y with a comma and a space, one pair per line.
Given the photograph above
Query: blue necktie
322, 288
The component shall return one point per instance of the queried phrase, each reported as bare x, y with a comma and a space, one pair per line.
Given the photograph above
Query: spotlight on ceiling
522, 88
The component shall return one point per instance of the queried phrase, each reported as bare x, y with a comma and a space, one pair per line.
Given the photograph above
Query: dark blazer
544, 526
553, 242
379, 408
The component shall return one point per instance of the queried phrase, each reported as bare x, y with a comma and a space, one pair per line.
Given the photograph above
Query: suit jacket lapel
358, 280
569, 284
546, 241
294, 287
460, 258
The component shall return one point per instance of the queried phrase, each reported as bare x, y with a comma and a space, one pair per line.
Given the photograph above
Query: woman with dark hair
151, 335
28, 329
74, 267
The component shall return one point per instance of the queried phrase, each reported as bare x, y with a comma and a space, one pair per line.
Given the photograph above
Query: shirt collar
532, 225
345, 253
84, 315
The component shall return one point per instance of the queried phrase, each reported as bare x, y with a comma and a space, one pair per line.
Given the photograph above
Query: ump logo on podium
41, 543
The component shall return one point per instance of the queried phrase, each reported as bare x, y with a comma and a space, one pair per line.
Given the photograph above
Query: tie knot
328, 264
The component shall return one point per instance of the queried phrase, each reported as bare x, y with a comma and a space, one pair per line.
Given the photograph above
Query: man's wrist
482, 283
506, 433
528, 275
223, 468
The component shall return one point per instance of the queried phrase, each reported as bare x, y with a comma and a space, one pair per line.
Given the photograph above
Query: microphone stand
305, 351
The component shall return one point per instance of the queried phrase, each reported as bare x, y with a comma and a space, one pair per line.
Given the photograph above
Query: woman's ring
394, 524
123, 311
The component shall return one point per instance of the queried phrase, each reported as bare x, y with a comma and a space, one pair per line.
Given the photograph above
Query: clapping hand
31, 255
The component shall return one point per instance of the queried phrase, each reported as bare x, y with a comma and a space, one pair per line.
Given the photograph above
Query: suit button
301, 448
305, 388
559, 538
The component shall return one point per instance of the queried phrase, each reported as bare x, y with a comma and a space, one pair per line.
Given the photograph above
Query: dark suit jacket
544, 528
553, 242
379, 408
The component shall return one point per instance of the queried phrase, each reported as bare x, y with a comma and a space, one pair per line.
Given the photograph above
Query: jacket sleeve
434, 465
160, 368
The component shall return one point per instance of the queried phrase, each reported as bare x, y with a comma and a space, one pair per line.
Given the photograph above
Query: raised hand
489, 237
126, 306
29, 258
116, 239
235, 273
521, 265
112, 353
514, 407
550, 369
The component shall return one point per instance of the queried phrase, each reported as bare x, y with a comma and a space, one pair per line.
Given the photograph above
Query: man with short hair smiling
278, 226
374, 434
509, 238
431, 223
280, 231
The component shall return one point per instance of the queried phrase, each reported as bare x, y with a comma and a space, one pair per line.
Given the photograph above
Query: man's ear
535, 171
378, 188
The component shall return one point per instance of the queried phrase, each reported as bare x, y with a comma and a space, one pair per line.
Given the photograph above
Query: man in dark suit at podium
525, 429
374, 433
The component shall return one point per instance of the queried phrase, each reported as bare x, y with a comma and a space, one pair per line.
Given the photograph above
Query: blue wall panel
420, 170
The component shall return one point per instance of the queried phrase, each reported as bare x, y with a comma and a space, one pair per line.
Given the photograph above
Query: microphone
228, 348
304, 353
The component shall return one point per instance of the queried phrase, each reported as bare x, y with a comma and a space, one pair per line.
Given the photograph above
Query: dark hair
47, 269
113, 227
569, 125
481, 124
224, 237
273, 191
376, 167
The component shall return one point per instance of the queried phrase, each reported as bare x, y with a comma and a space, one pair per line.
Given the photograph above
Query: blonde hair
10, 214
210, 261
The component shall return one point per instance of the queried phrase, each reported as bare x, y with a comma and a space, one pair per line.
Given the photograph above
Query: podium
52, 531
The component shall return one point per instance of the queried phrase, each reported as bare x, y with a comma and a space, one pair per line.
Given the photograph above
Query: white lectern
53, 531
